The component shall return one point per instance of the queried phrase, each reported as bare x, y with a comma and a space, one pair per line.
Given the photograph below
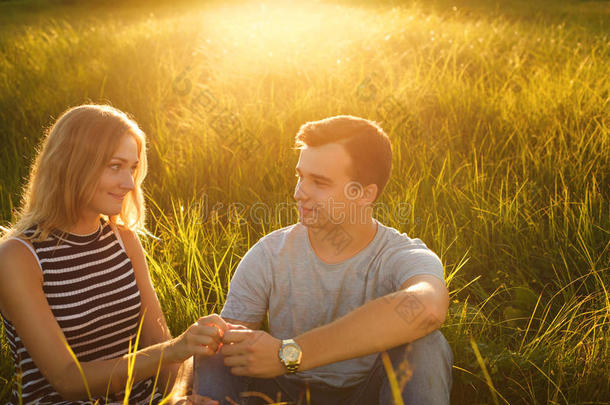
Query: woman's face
117, 179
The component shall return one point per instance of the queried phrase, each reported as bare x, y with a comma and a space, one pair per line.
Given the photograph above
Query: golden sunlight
248, 37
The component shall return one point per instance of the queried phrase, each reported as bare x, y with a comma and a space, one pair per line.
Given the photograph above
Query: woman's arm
23, 302
154, 327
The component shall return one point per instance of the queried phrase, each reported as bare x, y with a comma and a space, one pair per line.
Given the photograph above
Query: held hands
247, 352
202, 338
252, 353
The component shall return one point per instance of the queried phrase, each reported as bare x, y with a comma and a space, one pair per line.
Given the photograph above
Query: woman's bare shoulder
129, 237
125, 231
18, 267
16, 248
131, 241
16, 256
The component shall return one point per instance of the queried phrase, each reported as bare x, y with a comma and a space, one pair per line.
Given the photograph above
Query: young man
340, 289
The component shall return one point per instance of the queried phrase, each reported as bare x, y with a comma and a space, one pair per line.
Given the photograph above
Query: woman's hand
202, 338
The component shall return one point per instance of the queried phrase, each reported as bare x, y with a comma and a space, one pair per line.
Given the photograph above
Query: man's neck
336, 243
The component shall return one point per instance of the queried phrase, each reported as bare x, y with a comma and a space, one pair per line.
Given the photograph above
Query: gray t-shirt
282, 274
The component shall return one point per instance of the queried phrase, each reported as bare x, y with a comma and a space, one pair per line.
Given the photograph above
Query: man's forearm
379, 325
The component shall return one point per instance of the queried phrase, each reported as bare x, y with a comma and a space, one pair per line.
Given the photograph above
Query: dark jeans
427, 368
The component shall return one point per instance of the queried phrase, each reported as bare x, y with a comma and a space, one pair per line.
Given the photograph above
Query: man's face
323, 186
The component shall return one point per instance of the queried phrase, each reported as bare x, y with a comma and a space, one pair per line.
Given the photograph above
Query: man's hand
252, 353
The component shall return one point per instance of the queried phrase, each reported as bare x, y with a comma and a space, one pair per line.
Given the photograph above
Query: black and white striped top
91, 288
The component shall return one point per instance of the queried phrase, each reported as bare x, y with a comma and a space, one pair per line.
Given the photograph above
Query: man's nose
299, 193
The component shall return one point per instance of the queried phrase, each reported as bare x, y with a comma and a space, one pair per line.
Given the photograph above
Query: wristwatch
290, 355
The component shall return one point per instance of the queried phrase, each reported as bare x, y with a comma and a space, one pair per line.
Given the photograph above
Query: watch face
291, 353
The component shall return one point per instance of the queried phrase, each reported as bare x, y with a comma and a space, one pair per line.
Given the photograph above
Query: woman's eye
115, 167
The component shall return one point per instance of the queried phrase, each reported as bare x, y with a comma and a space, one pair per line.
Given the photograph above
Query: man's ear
369, 194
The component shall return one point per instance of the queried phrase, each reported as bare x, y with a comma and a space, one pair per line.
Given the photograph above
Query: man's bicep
244, 305
248, 297
416, 262
425, 282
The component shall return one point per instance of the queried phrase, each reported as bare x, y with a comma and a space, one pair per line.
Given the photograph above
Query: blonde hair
68, 166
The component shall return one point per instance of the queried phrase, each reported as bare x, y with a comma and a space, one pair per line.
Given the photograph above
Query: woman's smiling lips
119, 197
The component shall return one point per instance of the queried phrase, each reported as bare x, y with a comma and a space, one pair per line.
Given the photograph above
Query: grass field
498, 114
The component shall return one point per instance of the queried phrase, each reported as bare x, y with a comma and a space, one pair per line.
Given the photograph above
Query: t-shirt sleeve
249, 290
413, 258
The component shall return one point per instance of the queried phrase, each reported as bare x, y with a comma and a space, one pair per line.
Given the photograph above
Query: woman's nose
127, 181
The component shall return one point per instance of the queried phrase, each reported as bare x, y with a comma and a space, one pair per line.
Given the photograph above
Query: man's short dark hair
365, 142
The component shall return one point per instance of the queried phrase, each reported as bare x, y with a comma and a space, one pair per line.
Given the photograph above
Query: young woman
74, 283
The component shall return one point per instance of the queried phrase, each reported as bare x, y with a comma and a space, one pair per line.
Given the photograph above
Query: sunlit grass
499, 124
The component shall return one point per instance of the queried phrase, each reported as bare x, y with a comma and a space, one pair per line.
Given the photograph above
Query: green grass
498, 115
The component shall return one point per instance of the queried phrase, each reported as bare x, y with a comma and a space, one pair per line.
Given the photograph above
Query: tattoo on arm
412, 311
409, 308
